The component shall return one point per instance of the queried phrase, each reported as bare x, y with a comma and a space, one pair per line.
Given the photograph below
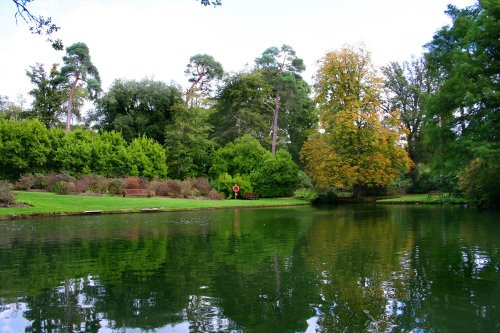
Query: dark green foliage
187, 144
201, 71
278, 176
480, 182
464, 113
407, 87
24, 147
281, 68
78, 70
48, 97
243, 106
240, 157
6, 195
138, 108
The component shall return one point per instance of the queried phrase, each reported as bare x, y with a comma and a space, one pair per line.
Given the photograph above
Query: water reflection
348, 269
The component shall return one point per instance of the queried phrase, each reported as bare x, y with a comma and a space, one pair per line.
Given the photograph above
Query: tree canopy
138, 108
78, 69
353, 146
464, 112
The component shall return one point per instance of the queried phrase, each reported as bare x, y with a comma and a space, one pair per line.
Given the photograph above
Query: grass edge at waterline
50, 204
423, 199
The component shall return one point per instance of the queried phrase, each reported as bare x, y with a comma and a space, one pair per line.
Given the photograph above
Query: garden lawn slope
43, 203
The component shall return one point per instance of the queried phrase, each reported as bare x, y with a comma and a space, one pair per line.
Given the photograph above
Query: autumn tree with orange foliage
356, 145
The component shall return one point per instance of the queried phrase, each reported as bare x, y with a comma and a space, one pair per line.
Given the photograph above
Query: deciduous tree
138, 108
353, 147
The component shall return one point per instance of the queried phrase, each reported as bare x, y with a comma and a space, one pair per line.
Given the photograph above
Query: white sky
133, 39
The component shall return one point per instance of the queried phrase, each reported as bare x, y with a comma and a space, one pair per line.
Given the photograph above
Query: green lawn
44, 203
423, 199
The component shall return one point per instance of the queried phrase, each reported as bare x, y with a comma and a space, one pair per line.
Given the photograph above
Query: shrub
201, 184
6, 195
134, 182
277, 177
63, 187
116, 186
82, 185
53, 181
25, 183
305, 194
169, 187
225, 182
40, 182
214, 195
480, 183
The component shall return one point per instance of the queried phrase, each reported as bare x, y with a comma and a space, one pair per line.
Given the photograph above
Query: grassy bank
43, 203
423, 199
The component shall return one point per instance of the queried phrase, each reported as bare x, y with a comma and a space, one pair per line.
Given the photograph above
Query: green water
299, 269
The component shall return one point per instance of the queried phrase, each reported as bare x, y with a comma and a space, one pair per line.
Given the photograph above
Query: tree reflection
274, 270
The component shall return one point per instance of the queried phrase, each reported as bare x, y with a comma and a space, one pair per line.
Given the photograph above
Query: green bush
278, 176
242, 157
24, 147
305, 194
147, 158
116, 186
225, 182
6, 195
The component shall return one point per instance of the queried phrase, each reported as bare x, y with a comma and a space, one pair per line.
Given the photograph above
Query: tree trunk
357, 191
70, 103
275, 124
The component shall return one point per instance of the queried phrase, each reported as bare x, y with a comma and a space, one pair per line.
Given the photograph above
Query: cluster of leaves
463, 114
246, 163
353, 147
29, 147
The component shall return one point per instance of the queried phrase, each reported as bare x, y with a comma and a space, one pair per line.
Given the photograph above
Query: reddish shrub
25, 183
214, 195
134, 182
201, 184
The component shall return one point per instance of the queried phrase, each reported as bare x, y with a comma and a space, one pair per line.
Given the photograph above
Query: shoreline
45, 204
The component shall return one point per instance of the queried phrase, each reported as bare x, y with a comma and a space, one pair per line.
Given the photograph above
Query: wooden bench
136, 192
249, 196
438, 193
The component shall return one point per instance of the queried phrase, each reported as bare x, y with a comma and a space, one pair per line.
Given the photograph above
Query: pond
295, 269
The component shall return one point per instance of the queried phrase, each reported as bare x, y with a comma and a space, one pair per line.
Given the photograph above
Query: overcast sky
132, 39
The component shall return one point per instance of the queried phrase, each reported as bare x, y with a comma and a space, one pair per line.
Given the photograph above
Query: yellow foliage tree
356, 144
